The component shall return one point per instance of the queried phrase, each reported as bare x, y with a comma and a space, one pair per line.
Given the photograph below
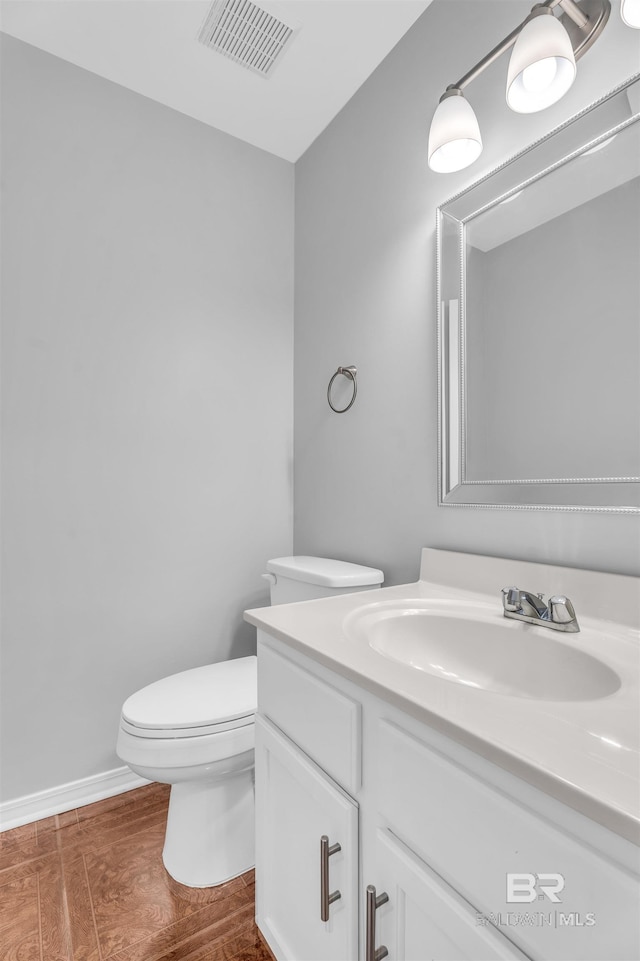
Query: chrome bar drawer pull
373, 903
325, 898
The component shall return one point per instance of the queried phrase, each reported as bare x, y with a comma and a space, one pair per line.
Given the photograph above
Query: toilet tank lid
325, 572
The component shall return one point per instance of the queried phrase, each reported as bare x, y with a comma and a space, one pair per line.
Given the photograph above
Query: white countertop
584, 753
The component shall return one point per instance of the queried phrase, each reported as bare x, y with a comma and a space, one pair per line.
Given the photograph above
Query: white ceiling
150, 46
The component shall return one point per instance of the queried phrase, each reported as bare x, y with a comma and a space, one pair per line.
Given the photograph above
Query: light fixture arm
583, 25
542, 67
571, 8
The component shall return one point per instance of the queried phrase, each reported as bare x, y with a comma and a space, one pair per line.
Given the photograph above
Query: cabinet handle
373, 903
325, 898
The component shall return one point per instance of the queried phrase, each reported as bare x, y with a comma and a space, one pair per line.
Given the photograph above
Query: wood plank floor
89, 885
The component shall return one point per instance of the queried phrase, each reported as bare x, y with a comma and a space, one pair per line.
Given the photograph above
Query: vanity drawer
472, 834
321, 720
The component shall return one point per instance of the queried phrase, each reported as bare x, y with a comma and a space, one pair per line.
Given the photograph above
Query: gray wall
553, 346
365, 481
147, 404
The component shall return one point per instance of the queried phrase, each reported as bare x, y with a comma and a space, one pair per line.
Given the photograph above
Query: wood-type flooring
89, 885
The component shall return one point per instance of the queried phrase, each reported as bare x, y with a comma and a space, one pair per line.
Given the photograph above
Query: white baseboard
66, 797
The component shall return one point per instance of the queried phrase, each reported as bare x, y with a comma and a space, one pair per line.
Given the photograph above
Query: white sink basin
475, 645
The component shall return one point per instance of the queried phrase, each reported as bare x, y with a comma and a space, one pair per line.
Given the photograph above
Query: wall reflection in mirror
539, 322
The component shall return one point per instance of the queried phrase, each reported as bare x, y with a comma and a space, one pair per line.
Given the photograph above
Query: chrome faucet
559, 614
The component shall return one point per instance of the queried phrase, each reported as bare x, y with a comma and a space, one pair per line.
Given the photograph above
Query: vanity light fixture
507, 200
630, 13
454, 138
542, 65
541, 70
599, 146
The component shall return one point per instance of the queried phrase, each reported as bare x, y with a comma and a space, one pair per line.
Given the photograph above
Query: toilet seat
159, 758
178, 733
202, 701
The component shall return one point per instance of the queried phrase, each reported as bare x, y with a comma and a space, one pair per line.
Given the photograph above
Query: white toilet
195, 731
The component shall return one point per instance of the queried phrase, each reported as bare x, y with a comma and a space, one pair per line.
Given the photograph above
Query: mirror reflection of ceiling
612, 163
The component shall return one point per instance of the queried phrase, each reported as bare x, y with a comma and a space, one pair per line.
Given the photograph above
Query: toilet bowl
195, 731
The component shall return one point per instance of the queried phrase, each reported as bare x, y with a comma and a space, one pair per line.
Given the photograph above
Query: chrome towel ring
346, 372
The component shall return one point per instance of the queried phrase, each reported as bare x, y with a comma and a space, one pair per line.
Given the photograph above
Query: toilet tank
304, 578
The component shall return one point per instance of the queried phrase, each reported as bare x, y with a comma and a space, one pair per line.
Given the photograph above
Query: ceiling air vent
245, 33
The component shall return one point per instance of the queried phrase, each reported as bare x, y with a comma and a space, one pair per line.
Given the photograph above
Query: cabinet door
425, 919
296, 804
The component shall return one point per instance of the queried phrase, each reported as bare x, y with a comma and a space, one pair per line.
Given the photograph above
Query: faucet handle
511, 598
561, 609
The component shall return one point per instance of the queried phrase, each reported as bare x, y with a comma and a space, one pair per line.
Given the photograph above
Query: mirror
538, 287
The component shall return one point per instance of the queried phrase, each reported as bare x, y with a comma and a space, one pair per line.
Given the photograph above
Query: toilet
195, 731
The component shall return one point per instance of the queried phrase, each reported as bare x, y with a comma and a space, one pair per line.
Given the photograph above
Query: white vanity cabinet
424, 916
297, 806
430, 828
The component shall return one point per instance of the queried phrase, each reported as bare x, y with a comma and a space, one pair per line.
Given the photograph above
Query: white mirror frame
455, 489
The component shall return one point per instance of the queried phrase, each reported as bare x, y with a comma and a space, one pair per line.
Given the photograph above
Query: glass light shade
599, 146
630, 13
454, 137
542, 66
